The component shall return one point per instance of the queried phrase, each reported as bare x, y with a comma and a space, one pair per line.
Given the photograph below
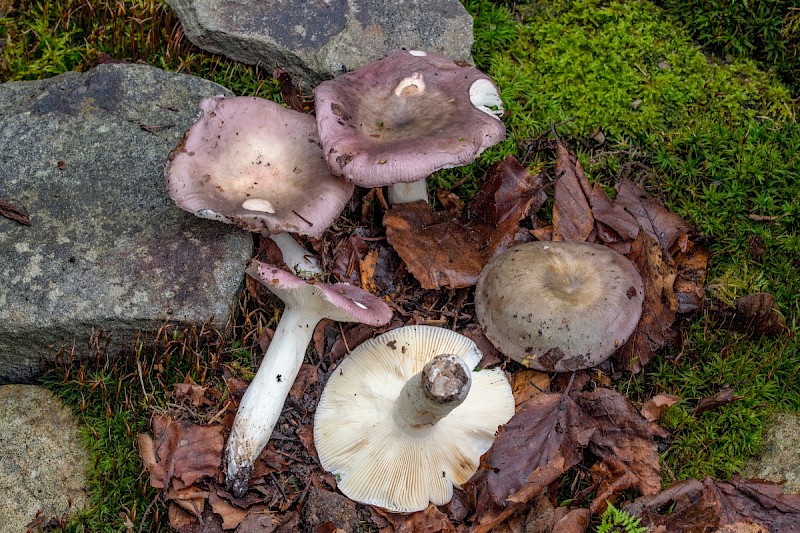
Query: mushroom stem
401, 193
263, 401
297, 259
431, 394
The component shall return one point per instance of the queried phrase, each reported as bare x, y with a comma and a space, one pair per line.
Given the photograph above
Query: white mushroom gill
484, 96
413, 84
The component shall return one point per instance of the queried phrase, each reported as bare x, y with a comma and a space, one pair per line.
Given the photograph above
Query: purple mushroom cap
253, 163
401, 118
338, 301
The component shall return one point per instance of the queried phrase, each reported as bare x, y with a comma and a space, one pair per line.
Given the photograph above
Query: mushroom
306, 303
399, 119
404, 418
253, 163
559, 306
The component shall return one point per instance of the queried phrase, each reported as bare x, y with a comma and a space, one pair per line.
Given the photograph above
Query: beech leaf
572, 217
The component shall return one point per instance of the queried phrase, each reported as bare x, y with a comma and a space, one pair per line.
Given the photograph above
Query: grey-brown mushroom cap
401, 118
253, 163
559, 306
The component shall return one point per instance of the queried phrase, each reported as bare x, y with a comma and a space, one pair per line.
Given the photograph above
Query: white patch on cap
418, 53
362, 306
484, 96
212, 215
258, 204
411, 85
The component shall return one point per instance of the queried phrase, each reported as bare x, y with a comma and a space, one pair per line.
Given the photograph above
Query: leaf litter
424, 263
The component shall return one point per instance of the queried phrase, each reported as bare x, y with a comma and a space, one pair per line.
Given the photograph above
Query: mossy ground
718, 141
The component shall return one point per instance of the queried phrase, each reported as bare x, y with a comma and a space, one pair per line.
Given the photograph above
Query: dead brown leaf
306, 377
491, 355
692, 506
291, 92
184, 452
723, 397
231, 516
691, 268
623, 434
443, 250
755, 313
195, 395
655, 219
654, 330
612, 215
191, 499
575, 521
655, 406
366, 269
527, 383
15, 212
572, 217
612, 477
540, 442
429, 520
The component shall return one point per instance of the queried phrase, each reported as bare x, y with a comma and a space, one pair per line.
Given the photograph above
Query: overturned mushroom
306, 304
253, 163
399, 119
559, 306
404, 418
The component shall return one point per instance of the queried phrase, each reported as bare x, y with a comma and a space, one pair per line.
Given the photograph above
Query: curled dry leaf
231, 516
546, 437
443, 250
541, 441
654, 330
623, 434
693, 506
184, 452
429, 520
655, 219
655, 406
572, 217
755, 313
723, 397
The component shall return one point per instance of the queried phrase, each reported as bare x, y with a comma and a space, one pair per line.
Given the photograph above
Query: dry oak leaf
692, 506
183, 452
443, 250
572, 217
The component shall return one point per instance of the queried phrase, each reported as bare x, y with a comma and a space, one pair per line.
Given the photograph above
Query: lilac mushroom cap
401, 118
253, 163
559, 306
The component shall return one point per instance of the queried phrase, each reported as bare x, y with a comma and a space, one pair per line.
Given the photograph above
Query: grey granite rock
107, 250
779, 459
317, 39
42, 462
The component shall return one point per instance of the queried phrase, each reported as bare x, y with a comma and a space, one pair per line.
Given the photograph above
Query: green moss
766, 31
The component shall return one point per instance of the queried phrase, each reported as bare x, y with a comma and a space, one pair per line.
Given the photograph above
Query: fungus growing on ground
403, 418
401, 118
253, 163
559, 306
306, 303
